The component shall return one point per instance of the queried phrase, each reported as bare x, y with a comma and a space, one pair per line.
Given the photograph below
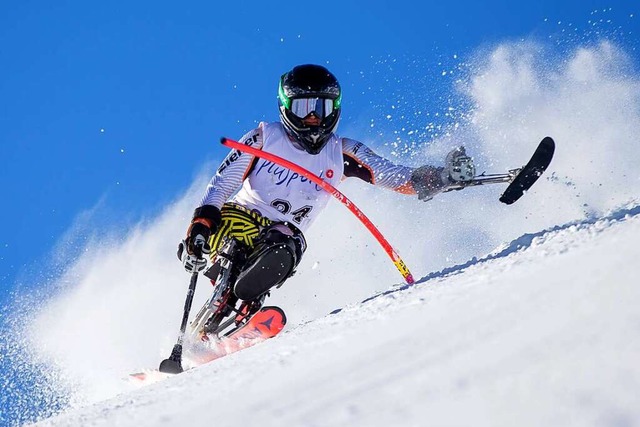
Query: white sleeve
232, 171
362, 162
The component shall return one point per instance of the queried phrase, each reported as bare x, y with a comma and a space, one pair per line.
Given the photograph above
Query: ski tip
549, 143
148, 377
269, 321
277, 309
530, 172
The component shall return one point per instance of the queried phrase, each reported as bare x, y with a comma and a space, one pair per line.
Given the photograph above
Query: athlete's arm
361, 162
232, 171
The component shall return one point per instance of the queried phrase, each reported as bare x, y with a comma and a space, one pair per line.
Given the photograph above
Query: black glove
192, 250
427, 181
197, 240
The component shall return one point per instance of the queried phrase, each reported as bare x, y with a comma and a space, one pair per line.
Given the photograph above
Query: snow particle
102, 130
122, 150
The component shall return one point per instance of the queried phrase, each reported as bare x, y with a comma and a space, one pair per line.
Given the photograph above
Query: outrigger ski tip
520, 179
530, 172
169, 366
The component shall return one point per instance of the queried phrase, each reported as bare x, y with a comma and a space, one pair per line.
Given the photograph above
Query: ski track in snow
544, 331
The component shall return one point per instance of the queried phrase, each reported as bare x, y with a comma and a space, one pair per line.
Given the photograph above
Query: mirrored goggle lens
302, 107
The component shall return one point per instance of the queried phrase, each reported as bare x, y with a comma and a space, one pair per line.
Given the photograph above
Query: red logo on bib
330, 173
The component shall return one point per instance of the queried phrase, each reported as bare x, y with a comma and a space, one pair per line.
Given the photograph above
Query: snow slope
545, 331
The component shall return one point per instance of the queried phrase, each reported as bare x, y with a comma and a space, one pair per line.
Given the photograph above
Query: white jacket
280, 194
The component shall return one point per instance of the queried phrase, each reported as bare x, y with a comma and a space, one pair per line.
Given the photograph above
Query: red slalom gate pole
397, 261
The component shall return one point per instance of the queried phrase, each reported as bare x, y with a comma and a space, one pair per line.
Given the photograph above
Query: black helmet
305, 90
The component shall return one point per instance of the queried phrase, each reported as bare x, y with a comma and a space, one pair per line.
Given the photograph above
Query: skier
274, 206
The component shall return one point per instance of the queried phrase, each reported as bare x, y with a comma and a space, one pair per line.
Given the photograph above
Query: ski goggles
321, 107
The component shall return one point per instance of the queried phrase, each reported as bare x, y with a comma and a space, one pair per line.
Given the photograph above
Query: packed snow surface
544, 331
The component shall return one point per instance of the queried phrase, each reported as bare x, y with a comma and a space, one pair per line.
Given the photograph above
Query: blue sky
119, 104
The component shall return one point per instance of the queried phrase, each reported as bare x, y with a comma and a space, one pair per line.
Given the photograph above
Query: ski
520, 180
265, 324
530, 172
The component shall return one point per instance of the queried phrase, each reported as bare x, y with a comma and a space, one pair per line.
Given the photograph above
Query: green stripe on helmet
284, 99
